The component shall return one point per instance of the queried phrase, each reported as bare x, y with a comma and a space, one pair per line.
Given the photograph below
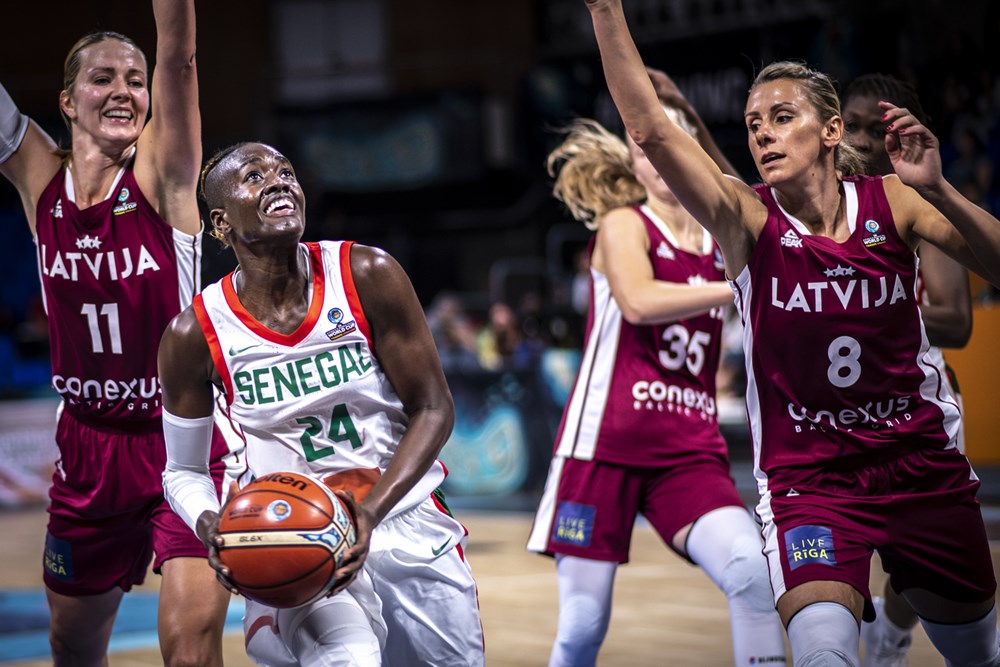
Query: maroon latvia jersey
113, 276
836, 353
645, 394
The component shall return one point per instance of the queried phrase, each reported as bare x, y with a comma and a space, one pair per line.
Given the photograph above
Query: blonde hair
593, 172
820, 91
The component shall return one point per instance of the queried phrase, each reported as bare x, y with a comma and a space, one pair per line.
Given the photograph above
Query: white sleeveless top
314, 401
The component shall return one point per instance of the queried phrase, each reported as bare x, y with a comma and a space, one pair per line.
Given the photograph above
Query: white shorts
429, 598
346, 629
416, 593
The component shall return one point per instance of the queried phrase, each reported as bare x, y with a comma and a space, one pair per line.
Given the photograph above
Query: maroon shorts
919, 511
107, 513
593, 510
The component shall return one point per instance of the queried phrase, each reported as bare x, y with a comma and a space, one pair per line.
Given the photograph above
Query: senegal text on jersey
293, 379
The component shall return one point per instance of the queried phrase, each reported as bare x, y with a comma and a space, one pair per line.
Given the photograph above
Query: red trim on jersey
212, 338
351, 290
315, 306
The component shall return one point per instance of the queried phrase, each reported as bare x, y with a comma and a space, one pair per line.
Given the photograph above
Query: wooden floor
666, 612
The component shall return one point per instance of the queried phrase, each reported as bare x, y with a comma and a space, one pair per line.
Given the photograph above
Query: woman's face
786, 136
864, 129
109, 99
262, 199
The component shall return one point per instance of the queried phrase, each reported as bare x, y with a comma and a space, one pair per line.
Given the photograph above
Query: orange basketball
285, 535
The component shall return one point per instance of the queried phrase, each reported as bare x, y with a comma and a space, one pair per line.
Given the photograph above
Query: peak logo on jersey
809, 545
663, 251
335, 315
574, 524
874, 238
293, 379
57, 209
791, 239
839, 271
87, 242
124, 206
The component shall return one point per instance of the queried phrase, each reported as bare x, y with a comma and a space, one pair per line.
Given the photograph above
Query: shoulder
372, 263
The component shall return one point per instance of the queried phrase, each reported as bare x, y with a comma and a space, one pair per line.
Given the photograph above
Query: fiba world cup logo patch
873, 238
341, 328
124, 206
279, 510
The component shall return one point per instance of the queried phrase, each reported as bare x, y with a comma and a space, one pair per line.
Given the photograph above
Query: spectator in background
502, 344
971, 172
454, 333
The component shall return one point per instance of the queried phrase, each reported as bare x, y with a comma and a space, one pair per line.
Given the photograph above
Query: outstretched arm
727, 208
169, 154
622, 254
28, 156
916, 159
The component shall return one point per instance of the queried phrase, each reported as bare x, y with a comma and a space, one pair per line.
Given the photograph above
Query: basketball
285, 535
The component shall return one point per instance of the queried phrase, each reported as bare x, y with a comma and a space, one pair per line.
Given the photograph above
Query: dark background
422, 126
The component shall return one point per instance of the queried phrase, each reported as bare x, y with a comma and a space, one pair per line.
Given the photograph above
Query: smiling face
786, 135
254, 197
865, 130
108, 99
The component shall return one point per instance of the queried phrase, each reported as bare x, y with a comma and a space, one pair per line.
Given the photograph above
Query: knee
825, 658
194, 647
73, 650
583, 622
745, 575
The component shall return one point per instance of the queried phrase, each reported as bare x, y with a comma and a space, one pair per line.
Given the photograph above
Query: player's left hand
207, 529
913, 149
354, 558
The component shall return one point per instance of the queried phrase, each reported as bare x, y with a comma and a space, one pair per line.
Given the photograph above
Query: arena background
422, 128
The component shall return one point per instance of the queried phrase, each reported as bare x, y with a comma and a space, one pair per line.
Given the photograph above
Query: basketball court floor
666, 612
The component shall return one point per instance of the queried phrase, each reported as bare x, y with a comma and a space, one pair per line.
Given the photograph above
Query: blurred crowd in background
435, 149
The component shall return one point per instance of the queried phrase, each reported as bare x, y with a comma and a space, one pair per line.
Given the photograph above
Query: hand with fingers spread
913, 149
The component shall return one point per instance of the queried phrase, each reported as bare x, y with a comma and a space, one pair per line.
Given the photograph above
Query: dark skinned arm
948, 314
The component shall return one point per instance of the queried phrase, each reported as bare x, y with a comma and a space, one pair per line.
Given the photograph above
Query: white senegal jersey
314, 401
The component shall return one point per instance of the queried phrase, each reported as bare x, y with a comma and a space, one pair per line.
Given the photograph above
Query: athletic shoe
879, 651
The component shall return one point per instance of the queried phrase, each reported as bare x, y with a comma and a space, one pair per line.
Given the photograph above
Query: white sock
974, 644
824, 634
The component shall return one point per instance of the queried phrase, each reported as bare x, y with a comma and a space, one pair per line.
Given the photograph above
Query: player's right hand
354, 558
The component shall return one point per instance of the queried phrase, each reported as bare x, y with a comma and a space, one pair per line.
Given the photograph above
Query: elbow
634, 313
645, 135
958, 334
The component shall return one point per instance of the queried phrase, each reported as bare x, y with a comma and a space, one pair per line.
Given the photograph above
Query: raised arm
916, 158
405, 350
621, 253
947, 314
169, 154
28, 156
727, 208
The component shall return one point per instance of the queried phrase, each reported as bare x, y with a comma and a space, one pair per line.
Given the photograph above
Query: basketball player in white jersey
855, 433
327, 364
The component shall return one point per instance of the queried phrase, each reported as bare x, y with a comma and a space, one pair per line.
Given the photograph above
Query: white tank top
314, 401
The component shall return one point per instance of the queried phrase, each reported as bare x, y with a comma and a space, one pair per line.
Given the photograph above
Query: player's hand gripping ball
285, 535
